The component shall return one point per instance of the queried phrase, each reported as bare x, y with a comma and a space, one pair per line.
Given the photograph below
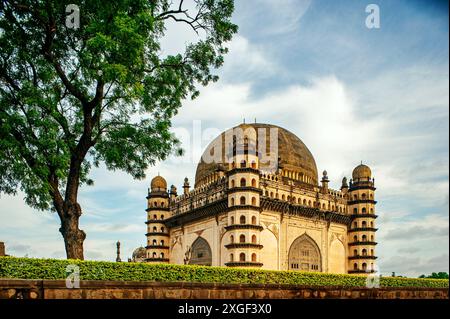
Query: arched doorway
304, 255
201, 253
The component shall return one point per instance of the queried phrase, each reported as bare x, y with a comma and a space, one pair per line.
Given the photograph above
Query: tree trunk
73, 236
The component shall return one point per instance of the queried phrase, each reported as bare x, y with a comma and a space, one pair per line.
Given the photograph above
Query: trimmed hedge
29, 268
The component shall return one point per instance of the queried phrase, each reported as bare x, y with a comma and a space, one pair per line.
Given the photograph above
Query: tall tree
75, 96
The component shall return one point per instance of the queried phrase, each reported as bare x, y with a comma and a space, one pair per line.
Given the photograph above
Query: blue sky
349, 92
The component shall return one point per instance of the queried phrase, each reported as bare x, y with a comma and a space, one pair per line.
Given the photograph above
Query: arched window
232, 220
162, 204
364, 224
253, 182
163, 229
155, 230
232, 239
299, 201
242, 200
254, 201
371, 252
242, 239
242, 220
363, 210
355, 238
253, 220
154, 255
232, 201
243, 164
364, 252
231, 257
155, 204
355, 224
161, 255
241, 257
304, 202
364, 238
232, 183
162, 242
355, 197
271, 194
371, 224
371, 237
254, 239
355, 252
283, 197
243, 182
363, 196
355, 266
355, 210
154, 242
309, 203
155, 217
254, 258
162, 216
364, 266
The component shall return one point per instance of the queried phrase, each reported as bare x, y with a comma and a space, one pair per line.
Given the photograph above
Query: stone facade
244, 211
99, 289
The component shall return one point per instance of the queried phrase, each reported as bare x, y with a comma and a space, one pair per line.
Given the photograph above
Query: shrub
29, 268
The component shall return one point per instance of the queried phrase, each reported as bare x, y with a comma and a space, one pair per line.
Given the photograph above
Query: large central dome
293, 154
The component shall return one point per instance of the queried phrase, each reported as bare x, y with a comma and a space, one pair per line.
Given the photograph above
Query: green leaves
26, 268
104, 92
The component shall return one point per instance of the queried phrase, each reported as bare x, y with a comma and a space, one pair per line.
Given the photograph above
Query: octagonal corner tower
284, 147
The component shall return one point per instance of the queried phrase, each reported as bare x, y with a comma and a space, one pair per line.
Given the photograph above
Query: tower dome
362, 172
139, 254
293, 155
158, 183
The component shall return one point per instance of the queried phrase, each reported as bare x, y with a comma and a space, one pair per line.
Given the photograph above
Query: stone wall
56, 289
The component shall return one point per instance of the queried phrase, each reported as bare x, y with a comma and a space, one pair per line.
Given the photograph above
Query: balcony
362, 229
244, 245
244, 226
243, 264
362, 257
358, 243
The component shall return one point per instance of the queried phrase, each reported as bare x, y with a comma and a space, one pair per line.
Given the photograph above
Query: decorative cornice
158, 195
244, 189
243, 207
362, 257
243, 264
353, 216
310, 212
363, 243
158, 234
162, 209
244, 245
155, 221
244, 226
371, 229
361, 271
156, 247
242, 170
362, 201
166, 260
205, 211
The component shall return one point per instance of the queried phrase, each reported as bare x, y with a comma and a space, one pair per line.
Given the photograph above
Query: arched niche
304, 255
201, 253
